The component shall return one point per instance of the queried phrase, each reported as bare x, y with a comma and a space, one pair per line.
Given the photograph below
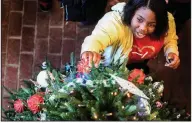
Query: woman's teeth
139, 35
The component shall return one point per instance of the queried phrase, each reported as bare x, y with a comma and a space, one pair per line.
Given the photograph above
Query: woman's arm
171, 48
170, 44
105, 33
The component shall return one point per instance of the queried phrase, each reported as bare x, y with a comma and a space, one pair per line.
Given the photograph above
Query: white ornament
43, 116
79, 80
150, 90
105, 83
42, 78
149, 78
52, 98
89, 83
71, 85
62, 90
158, 86
178, 116
113, 82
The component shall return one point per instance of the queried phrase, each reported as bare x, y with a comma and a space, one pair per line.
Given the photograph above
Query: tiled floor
29, 35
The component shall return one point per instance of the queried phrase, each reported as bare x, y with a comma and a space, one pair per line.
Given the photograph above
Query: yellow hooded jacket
111, 31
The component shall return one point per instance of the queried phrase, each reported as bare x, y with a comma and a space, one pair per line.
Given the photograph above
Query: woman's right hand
91, 56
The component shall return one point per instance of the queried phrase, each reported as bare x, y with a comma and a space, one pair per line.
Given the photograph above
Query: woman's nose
143, 28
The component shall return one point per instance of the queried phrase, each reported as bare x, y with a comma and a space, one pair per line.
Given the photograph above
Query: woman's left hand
174, 60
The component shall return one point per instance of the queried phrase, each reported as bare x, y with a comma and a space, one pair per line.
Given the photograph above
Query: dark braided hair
157, 6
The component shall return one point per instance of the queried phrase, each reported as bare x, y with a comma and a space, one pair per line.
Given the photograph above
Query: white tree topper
127, 85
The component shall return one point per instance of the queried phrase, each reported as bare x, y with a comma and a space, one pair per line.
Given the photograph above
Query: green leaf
10, 93
153, 116
72, 59
61, 95
132, 109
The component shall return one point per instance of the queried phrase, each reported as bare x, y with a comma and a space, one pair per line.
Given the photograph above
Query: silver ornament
158, 86
143, 107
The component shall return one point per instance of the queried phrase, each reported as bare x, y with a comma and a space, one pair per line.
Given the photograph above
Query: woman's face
143, 22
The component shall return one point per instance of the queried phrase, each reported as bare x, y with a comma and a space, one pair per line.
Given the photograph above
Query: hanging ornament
43, 116
42, 78
62, 90
83, 79
158, 86
52, 98
149, 78
159, 104
70, 85
143, 107
90, 83
79, 80
105, 83
67, 67
150, 92
178, 116
44, 65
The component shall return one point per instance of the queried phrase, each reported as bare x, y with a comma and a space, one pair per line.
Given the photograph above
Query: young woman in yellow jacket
138, 30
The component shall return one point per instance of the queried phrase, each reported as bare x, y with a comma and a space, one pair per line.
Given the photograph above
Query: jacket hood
118, 7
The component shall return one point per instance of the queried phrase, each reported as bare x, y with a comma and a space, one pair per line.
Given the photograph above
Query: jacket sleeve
105, 33
170, 43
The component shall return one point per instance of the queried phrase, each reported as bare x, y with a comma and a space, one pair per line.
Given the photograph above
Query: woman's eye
152, 25
139, 20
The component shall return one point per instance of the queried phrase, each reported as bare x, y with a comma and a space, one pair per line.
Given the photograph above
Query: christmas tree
78, 92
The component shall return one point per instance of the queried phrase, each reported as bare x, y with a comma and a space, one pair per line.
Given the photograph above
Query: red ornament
83, 66
137, 73
33, 103
18, 106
